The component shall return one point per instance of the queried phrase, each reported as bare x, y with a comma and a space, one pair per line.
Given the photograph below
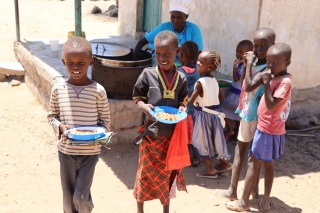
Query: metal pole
16, 7
78, 30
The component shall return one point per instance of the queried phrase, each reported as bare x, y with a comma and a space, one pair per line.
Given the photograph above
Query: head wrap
185, 6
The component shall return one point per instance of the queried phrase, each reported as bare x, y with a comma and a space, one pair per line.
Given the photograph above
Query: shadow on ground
308, 151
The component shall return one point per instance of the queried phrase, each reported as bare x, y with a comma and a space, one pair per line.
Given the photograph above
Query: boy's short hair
214, 57
246, 43
77, 42
190, 50
283, 48
167, 35
271, 35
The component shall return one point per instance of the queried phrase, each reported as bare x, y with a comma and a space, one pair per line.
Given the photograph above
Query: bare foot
228, 195
237, 206
223, 166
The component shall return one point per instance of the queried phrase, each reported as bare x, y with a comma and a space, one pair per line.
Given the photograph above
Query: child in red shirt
269, 139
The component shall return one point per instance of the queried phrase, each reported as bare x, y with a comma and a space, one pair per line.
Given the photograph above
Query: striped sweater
78, 106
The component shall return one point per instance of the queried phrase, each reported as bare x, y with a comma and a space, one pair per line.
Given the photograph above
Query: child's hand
145, 109
63, 129
266, 76
249, 57
235, 63
182, 108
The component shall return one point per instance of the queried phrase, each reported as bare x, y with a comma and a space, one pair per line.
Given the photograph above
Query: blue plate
167, 109
88, 137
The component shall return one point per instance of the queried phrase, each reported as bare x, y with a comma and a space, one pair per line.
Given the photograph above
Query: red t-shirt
273, 121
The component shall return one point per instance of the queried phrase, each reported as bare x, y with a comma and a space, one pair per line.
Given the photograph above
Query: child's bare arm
235, 70
243, 74
251, 82
221, 95
271, 102
244, 68
195, 93
255, 82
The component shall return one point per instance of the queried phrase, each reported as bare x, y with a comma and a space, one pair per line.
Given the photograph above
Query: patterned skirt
207, 136
152, 180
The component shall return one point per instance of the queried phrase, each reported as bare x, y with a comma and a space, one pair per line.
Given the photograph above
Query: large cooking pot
119, 74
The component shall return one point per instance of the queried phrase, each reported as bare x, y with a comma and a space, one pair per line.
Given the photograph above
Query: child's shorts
267, 147
247, 130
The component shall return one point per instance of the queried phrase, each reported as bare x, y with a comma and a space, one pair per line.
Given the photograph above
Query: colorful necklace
168, 90
182, 34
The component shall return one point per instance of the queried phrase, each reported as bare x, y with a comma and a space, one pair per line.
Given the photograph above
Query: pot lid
109, 49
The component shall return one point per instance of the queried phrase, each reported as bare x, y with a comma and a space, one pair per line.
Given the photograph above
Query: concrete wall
225, 23
130, 18
296, 22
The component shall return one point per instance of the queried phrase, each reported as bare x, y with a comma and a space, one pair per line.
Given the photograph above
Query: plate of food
224, 82
86, 133
167, 115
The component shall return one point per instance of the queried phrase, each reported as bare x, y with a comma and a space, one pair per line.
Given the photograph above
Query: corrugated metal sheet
151, 14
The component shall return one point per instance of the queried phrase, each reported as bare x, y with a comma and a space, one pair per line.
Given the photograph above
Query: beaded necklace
182, 34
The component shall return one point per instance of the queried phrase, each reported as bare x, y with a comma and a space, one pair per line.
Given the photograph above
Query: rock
15, 83
112, 7
112, 13
11, 68
314, 120
96, 10
300, 122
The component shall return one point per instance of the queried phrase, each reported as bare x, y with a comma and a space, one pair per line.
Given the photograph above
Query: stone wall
40, 78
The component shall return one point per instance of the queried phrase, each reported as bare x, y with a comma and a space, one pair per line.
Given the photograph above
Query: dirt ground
29, 165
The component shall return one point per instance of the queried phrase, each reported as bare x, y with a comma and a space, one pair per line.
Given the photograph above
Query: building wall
298, 24
130, 18
224, 24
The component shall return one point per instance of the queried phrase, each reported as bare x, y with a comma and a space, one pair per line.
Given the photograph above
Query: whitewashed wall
297, 23
226, 22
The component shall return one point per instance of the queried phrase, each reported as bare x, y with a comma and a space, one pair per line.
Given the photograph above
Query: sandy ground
28, 157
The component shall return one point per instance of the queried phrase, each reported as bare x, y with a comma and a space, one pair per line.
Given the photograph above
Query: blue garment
207, 136
231, 102
192, 78
267, 147
191, 32
249, 101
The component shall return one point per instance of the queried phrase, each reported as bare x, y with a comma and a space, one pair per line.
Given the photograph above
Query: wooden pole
16, 7
78, 30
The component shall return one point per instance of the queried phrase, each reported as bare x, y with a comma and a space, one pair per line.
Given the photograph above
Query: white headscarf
185, 6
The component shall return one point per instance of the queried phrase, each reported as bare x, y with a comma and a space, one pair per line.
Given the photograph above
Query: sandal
233, 206
203, 174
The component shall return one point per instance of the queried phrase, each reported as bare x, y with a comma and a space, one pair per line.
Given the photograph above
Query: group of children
262, 88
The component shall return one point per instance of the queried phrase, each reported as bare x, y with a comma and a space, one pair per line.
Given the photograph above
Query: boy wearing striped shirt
78, 101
